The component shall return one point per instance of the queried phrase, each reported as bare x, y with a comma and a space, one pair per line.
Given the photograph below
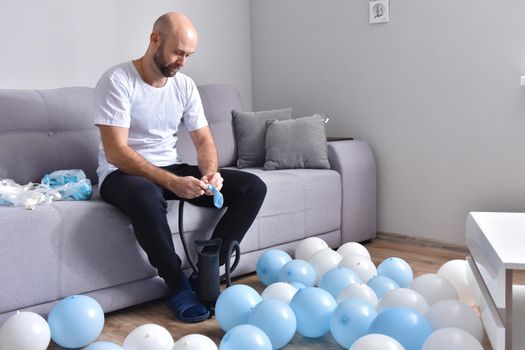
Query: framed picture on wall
378, 11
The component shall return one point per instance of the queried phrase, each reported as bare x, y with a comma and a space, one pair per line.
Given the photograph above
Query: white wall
435, 92
48, 44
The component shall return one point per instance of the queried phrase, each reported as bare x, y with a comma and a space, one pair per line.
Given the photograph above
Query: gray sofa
88, 247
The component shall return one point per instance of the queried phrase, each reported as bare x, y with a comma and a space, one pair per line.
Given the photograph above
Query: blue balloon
234, 305
297, 270
396, 269
298, 285
313, 308
245, 336
275, 318
76, 321
405, 325
104, 345
381, 285
351, 321
337, 279
269, 264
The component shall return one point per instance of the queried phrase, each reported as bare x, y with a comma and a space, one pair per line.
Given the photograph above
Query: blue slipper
187, 307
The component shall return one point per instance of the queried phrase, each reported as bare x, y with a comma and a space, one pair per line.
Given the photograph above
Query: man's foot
187, 307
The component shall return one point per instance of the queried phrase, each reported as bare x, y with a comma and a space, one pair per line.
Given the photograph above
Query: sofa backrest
46, 130
218, 101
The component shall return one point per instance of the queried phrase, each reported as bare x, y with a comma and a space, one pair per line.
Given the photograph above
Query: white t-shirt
153, 115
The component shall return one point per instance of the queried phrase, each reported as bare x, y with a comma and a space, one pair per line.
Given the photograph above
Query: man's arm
118, 153
207, 157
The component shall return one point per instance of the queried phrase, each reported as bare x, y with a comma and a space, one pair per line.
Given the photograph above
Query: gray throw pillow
297, 143
250, 131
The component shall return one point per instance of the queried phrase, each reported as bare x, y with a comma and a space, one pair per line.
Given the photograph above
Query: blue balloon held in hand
218, 199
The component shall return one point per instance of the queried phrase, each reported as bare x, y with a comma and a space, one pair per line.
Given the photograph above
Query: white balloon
353, 248
323, 261
376, 342
473, 285
358, 291
308, 247
149, 337
364, 267
403, 297
451, 339
456, 272
195, 342
454, 313
434, 287
280, 290
25, 331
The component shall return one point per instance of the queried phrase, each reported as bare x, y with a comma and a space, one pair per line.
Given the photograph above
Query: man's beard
167, 70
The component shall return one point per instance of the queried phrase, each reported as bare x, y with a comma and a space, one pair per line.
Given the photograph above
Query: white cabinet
496, 242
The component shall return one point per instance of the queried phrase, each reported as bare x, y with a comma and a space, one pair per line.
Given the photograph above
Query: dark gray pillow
250, 131
297, 143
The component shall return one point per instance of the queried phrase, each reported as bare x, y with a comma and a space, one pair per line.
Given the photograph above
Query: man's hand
187, 187
215, 179
207, 158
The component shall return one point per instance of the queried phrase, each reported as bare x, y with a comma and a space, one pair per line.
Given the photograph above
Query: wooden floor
423, 257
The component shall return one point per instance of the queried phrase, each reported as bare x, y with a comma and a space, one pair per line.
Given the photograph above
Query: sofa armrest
355, 162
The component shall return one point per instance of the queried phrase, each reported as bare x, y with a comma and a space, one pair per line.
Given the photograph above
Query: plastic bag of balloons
71, 184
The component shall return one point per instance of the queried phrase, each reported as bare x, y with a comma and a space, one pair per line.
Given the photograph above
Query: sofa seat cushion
30, 256
299, 203
73, 247
98, 248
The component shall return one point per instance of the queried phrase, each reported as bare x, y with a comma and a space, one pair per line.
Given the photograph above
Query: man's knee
243, 188
259, 187
256, 188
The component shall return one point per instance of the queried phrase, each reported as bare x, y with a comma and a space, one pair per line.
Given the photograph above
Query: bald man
139, 106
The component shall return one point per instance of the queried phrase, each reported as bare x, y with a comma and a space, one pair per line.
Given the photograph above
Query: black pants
144, 202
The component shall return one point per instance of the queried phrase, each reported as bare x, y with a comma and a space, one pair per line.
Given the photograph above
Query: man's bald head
173, 40
174, 24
